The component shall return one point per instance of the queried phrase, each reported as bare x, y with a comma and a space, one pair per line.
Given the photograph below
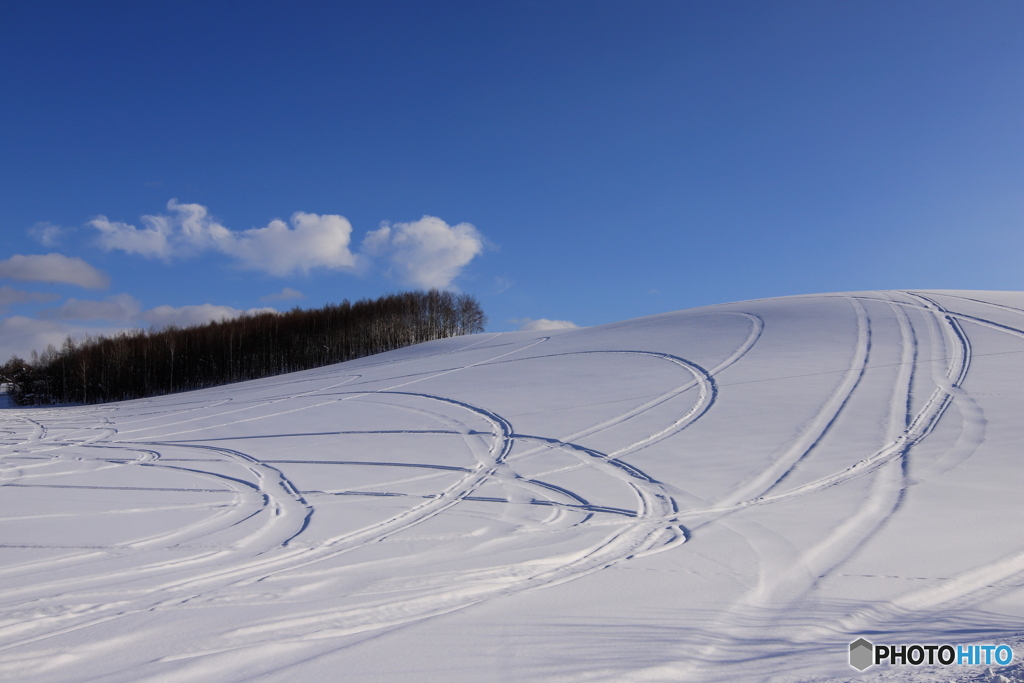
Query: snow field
728, 493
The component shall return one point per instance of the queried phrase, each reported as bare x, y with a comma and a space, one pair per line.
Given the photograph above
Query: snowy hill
728, 493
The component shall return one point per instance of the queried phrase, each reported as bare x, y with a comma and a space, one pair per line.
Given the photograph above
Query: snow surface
730, 493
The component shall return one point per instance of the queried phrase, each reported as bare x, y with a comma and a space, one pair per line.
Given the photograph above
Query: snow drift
728, 493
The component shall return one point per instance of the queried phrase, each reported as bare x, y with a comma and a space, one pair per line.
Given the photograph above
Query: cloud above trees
424, 253
284, 295
20, 335
54, 268
183, 316
10, 295
308, 241
127, 310
541, 324
120, 307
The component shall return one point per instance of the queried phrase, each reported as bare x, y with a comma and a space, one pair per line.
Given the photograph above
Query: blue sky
575, 161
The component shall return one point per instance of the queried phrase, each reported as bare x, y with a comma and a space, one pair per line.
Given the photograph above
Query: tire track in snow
248, 501
232, 570
818, 426
984, 322
979, 301
275, 512
257, 569
659, 502
236, 573
922, 424
777, 589
248, 407
886, 491
882, 500
967, 588
702, 378
654, 504
366, 393
646, 533
635, 538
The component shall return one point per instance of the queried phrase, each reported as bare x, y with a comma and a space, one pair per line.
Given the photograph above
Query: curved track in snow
337, 505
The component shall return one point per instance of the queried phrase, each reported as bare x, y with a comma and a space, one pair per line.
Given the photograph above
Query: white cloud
503, 283
124, 308
10, 295
53, 268
46, 233
426, 253
312, 241
283, 295
150, 241
118, 307
20, 336
127, 310
183, 316
529, 325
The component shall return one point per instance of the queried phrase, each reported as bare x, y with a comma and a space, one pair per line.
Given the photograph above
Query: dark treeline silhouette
138, 363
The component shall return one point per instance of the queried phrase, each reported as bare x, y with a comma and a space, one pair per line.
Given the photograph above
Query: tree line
139, 363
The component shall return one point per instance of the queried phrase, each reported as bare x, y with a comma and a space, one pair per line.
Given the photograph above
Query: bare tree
140, 363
